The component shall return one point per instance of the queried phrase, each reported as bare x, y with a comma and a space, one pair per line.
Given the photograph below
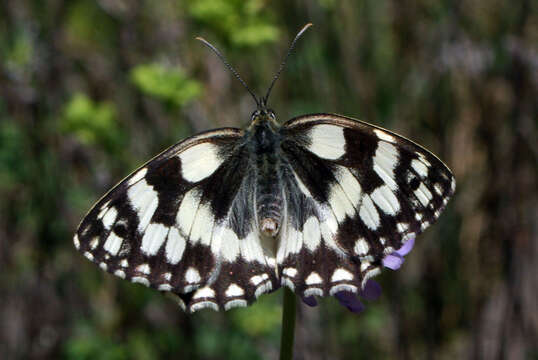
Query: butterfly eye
272, 114
254, 115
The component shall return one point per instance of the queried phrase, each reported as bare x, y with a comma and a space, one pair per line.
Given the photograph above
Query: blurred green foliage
166, 84
19, 53
87, 26
87, 342
240, 22
91, 89
12, 146
261, 320
92, 123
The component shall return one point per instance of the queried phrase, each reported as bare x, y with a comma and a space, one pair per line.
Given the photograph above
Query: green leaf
19, 55
88, 27
260, 320
239, 22
87, 342
255, 34
166, 84
92, 123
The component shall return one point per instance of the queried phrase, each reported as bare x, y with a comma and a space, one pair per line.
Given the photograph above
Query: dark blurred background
89, 90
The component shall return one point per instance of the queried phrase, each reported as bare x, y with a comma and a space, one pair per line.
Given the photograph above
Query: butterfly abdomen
269, 202
268, 183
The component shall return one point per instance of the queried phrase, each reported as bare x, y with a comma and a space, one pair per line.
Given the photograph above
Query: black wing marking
355, 193
177, 226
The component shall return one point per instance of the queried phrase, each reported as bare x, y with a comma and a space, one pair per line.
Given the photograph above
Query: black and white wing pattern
354, 193
228, 215
181, 224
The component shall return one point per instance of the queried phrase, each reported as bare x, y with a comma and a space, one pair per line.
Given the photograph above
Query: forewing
180, 224
367, 191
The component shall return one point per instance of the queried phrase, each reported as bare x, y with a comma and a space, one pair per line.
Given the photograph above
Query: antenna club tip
306, 26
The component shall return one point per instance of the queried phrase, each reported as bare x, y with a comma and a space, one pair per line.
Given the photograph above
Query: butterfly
227, 215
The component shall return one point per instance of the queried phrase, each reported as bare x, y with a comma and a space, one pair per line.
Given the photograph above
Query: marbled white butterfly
227, 215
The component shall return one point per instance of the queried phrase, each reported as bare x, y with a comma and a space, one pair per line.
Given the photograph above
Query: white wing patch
140, 174
419, 167
192, 276
94, 243
340, 203
328, 227
349, 184
386, 200
205, 292
187, 210
385, 160
361, 247
153, 238
200, 161
368, 213
175, 246
109, 218
76, 241
387, 176
294, 240
144, 199
144, 269
234, 290
113, 244
313, 279
327, 141
251, 249
423, 194
235, 303
229, 245
202, 228
382, 135
311, 233
341, 275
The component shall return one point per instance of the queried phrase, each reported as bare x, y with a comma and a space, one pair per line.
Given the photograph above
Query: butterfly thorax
265, 141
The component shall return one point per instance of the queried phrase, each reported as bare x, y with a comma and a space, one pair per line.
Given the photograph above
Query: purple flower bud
350, 300
371, 291
406, 247
310, 301
395, 260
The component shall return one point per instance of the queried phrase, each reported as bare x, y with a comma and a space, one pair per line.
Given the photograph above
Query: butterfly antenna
283, 64
230, 67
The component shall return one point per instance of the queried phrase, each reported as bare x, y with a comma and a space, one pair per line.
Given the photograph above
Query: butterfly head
263, 115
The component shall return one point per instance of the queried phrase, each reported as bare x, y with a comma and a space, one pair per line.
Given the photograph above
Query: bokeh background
89, 90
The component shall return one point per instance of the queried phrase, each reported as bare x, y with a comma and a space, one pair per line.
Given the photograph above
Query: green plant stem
288, 325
